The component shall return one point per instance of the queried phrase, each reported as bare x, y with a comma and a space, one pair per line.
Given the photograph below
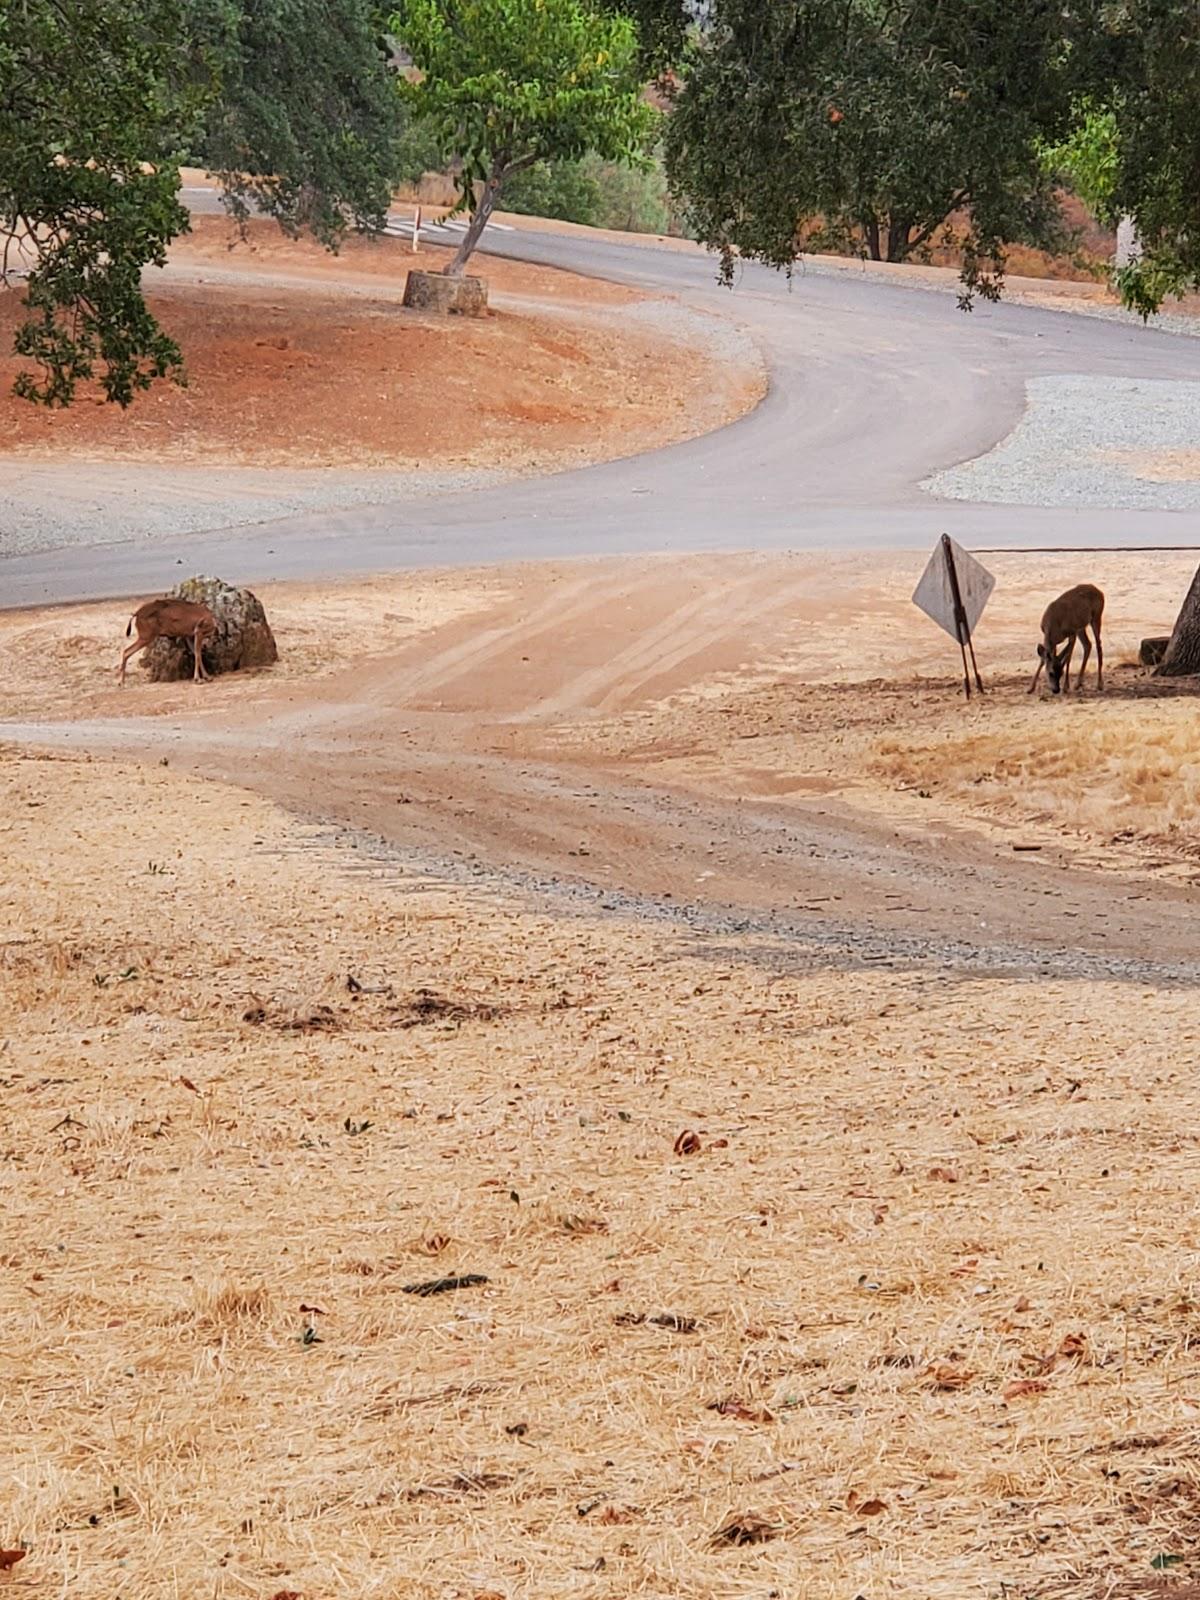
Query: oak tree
307, 127
93, 97
865, 126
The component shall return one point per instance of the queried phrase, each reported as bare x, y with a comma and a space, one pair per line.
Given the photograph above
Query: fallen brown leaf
1072, 1347
731, 1406
614, 1514
688, 1143
864, 1508
313, 1311
1022, 1304
944, 1376
744, 1527
1022, 1386
943, 1174
188, 1084
9, 1559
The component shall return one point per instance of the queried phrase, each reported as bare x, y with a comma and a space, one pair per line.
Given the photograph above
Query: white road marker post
416, 229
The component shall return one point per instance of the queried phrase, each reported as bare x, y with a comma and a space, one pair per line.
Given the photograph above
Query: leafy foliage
864, 125
93, 95
600, 194
566, 190
308, 127
634, 198
1088, 158
508, 83
662, 27
1151, 75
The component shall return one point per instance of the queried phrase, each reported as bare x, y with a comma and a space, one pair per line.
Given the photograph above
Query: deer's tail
129, 627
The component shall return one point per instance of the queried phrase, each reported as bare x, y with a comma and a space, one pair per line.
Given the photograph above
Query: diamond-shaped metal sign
935, 597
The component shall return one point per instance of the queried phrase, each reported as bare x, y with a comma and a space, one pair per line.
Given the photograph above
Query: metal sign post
953, 591
961, 625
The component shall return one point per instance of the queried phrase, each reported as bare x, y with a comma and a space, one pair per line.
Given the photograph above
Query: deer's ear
1042, 652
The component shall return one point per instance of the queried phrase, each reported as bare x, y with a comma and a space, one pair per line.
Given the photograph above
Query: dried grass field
805, 1275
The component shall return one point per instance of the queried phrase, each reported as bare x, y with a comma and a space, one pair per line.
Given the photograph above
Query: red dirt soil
295, 357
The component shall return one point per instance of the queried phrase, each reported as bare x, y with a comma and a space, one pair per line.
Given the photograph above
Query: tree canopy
866, 125
291, 102
307, 126
93, 96
1147, 76
508, 83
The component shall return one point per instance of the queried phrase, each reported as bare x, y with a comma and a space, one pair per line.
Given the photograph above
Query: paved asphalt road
874, 387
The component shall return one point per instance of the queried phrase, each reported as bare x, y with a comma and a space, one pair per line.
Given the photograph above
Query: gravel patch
1112, 443
47, 504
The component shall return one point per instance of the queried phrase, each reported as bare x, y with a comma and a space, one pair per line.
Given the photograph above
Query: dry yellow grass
912, 1192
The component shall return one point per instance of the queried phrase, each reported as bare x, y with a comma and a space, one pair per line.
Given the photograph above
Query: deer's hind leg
129, 651
1099, 656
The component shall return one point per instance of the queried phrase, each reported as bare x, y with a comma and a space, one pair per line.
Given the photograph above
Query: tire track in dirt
473, 746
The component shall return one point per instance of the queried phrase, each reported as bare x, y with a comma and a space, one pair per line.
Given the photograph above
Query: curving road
874, 386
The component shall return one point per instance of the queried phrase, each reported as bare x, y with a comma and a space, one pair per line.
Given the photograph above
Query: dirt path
630, 735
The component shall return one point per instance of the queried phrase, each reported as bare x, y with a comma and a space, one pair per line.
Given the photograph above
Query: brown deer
170, 619
1066, 619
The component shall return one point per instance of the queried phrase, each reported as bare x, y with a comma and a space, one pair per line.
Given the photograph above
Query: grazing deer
170, 619
1066, 619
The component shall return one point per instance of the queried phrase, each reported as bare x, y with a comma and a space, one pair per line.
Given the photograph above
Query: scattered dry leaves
670, 1320
865, 1508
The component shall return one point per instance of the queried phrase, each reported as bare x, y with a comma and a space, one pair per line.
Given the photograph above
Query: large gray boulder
243, 638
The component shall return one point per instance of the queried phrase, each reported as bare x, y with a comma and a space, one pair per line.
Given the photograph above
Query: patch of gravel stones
48, 504
1091, 441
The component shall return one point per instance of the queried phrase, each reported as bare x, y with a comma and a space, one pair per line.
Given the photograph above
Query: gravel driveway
1092, 441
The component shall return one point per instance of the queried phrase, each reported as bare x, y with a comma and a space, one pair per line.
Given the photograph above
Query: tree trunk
898, 233
1182, 659
871, 229
484, 207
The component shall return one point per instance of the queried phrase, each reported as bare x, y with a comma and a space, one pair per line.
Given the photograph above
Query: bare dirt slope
296, 358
